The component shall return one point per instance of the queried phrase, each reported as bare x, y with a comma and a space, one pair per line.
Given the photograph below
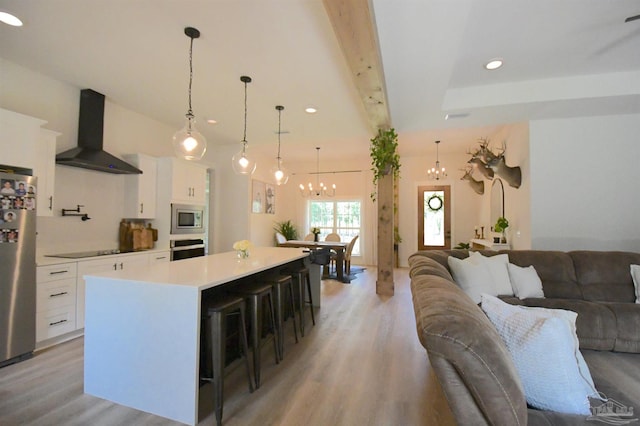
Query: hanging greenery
384, 156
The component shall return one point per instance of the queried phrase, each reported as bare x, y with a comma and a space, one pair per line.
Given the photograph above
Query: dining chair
280, 238
347, 255
335, 238
308, 237
332, 237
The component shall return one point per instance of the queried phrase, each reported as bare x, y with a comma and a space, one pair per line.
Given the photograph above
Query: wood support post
385, 284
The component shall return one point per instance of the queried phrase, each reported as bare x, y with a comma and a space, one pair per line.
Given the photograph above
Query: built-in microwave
187, 219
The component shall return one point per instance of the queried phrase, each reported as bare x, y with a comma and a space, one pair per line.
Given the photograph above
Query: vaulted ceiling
561, 58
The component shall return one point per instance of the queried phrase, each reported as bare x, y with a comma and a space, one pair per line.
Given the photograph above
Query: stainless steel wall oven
184, 249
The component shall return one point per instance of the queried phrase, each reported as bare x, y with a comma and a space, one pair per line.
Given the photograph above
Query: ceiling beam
353, 25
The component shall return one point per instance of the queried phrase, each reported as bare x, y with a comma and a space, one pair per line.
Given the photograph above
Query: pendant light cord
190, 112
279, 115
244, 138
318, 167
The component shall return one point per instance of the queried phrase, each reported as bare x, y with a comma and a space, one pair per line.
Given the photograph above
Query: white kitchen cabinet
140, 190
108, 263
45, 170
159, 257
55, 300
187, 180
25, 144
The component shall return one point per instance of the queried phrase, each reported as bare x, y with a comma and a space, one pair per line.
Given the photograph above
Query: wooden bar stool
301, 275
255, 294
279, 283
217, 310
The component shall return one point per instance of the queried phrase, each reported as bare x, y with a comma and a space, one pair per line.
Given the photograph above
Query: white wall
584, 183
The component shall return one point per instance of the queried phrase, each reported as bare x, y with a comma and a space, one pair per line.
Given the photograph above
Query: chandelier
321, 189
437, 172
188, 142
241, 164
278, 172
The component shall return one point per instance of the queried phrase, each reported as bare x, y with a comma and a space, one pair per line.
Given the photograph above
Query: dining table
339, 246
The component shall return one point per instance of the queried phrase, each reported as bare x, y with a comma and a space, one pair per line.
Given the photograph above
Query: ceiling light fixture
188, 142
321, 189
10, 19
241, 164
437, 172
278, 172
310, 110
494, 64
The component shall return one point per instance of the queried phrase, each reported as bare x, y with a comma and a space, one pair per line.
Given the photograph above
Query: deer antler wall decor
476, 185
490, 164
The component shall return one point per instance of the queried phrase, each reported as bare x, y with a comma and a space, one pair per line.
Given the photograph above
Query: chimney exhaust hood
89, 153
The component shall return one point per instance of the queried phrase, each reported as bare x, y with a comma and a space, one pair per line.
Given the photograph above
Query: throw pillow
544, 348
635, 274
497, 266
525, 281
472, 277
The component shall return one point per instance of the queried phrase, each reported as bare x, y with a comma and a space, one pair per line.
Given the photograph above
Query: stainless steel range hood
89, 153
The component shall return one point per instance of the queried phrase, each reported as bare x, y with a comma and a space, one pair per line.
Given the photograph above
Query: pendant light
188, 143
321, 189
437, 172
278, 172
241, 164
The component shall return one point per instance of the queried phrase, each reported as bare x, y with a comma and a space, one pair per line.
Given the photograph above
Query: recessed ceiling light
494, 64
212, 121
10, 19
310, 110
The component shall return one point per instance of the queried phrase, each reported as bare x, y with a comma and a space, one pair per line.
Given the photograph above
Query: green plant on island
501, 224
287, 229
384, 156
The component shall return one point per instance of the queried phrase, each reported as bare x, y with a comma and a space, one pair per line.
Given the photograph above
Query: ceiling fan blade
632, 18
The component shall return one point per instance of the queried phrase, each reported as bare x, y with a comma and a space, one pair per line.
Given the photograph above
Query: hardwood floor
361, 364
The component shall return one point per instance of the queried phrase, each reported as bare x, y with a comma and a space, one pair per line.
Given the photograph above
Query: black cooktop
93, 253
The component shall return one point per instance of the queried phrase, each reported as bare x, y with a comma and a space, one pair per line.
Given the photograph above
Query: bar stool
217, 311
278, 283
255, 294
301, 275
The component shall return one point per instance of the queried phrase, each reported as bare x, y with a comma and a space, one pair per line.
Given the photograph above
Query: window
340, 217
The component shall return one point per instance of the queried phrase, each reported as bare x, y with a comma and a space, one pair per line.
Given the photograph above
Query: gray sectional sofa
473, 365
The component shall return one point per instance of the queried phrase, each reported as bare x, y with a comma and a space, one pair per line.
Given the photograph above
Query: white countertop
208, 271
42, 260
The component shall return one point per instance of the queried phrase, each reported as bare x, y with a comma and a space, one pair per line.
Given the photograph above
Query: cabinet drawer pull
51, 202
121, 265
161, 257
64, 271
141, 207
57, 322
62, 293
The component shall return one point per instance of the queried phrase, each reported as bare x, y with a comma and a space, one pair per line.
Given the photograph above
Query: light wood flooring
361, 364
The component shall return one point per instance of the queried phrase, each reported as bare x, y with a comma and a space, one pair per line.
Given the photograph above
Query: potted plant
501, 226
287, 229
384, 156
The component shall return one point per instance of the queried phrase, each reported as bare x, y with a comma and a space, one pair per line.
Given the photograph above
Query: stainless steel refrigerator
17, 267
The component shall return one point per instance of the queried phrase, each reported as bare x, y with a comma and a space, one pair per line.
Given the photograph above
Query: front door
434, 217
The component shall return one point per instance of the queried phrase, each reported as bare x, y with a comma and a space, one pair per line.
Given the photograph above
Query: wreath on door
435, 203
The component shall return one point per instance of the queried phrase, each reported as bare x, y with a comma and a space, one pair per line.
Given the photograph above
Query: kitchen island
142, 327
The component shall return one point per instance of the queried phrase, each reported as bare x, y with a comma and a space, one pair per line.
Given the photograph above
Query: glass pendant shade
242, 164
188, 143
279, 173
